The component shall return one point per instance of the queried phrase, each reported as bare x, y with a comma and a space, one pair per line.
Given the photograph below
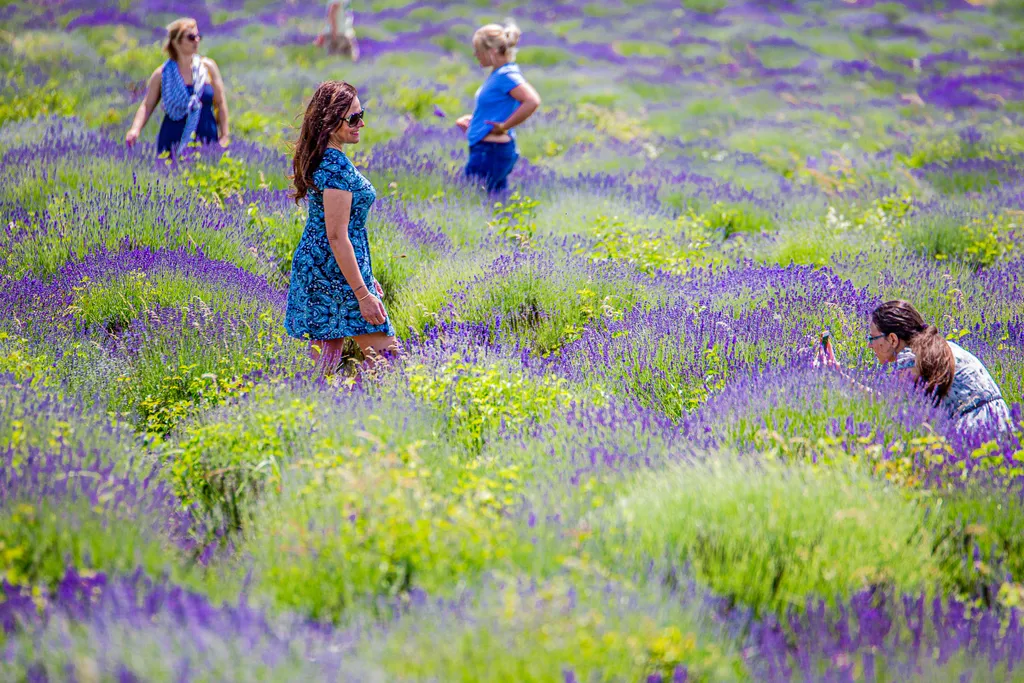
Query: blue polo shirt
493, 102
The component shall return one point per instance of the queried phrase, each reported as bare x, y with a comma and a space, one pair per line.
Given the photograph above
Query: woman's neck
499, 62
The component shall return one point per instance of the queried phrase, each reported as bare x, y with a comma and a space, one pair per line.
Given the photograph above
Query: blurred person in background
957, 380
503, 102
333, 295
339, 35
191, 88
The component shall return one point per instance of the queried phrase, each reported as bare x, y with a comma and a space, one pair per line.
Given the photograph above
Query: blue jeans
492, 161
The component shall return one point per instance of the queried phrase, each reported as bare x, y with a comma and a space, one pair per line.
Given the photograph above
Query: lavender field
606, 452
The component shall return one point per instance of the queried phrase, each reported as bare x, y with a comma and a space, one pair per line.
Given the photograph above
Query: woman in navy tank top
202, 116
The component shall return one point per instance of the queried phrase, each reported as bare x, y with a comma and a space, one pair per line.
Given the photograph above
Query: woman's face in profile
483, 55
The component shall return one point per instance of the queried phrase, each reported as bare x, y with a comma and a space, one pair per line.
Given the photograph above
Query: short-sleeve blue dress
321, 304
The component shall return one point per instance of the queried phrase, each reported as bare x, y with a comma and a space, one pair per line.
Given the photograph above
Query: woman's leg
327, 353
503, 161
476, 166
375, 345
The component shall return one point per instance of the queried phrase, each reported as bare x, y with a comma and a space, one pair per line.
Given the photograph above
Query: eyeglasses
353, 119
194, 37
871, 340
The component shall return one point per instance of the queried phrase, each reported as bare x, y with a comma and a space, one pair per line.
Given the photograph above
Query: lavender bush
605, 452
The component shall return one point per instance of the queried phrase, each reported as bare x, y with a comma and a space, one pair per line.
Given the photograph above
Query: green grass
571, 622
771, 537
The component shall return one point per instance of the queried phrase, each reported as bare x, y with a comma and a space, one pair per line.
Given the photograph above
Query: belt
977, 405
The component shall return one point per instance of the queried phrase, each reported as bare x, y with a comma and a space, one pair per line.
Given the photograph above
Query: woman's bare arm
337, 213
146, 107
220, 102
529, 102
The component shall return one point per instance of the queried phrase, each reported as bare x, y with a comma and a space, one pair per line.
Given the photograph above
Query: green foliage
356, 523
223, 181
960, 182
515, 219
77, 226
993, 238
990, 524
704, 6
942, 237
544, 56
650, 251
770, 537
223, 466
570, 622
172, 379
676, 377
614, 123
546, 310
23, 101
481, 399
118, 301
39, 541
279, 232
419, 102
24, 363
184, 392
427, 289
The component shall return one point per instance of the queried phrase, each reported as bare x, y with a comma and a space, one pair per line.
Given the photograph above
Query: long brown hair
324, 115
934, 358
175, 30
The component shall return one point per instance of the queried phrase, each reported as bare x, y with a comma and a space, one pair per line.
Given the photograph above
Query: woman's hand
497, 127
380, 290
131, 137
372, 310
463, 122
224, 140
825, 358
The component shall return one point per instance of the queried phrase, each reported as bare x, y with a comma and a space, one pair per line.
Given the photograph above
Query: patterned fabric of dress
973, 398
321, 304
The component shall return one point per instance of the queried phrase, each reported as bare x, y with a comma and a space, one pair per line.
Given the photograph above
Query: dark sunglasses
194, 37
353, 119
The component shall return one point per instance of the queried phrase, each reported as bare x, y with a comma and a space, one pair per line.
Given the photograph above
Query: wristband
358, 288
368, 295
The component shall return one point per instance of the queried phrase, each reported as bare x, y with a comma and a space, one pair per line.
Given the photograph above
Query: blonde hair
502, 38
175, 29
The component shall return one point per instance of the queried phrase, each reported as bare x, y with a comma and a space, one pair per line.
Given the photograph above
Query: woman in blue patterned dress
959, 381
333, 294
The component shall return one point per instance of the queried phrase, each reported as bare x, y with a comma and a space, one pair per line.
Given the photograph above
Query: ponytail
500, 37
934, 360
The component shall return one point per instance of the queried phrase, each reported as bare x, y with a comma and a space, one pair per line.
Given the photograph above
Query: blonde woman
191, 88
503, 102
